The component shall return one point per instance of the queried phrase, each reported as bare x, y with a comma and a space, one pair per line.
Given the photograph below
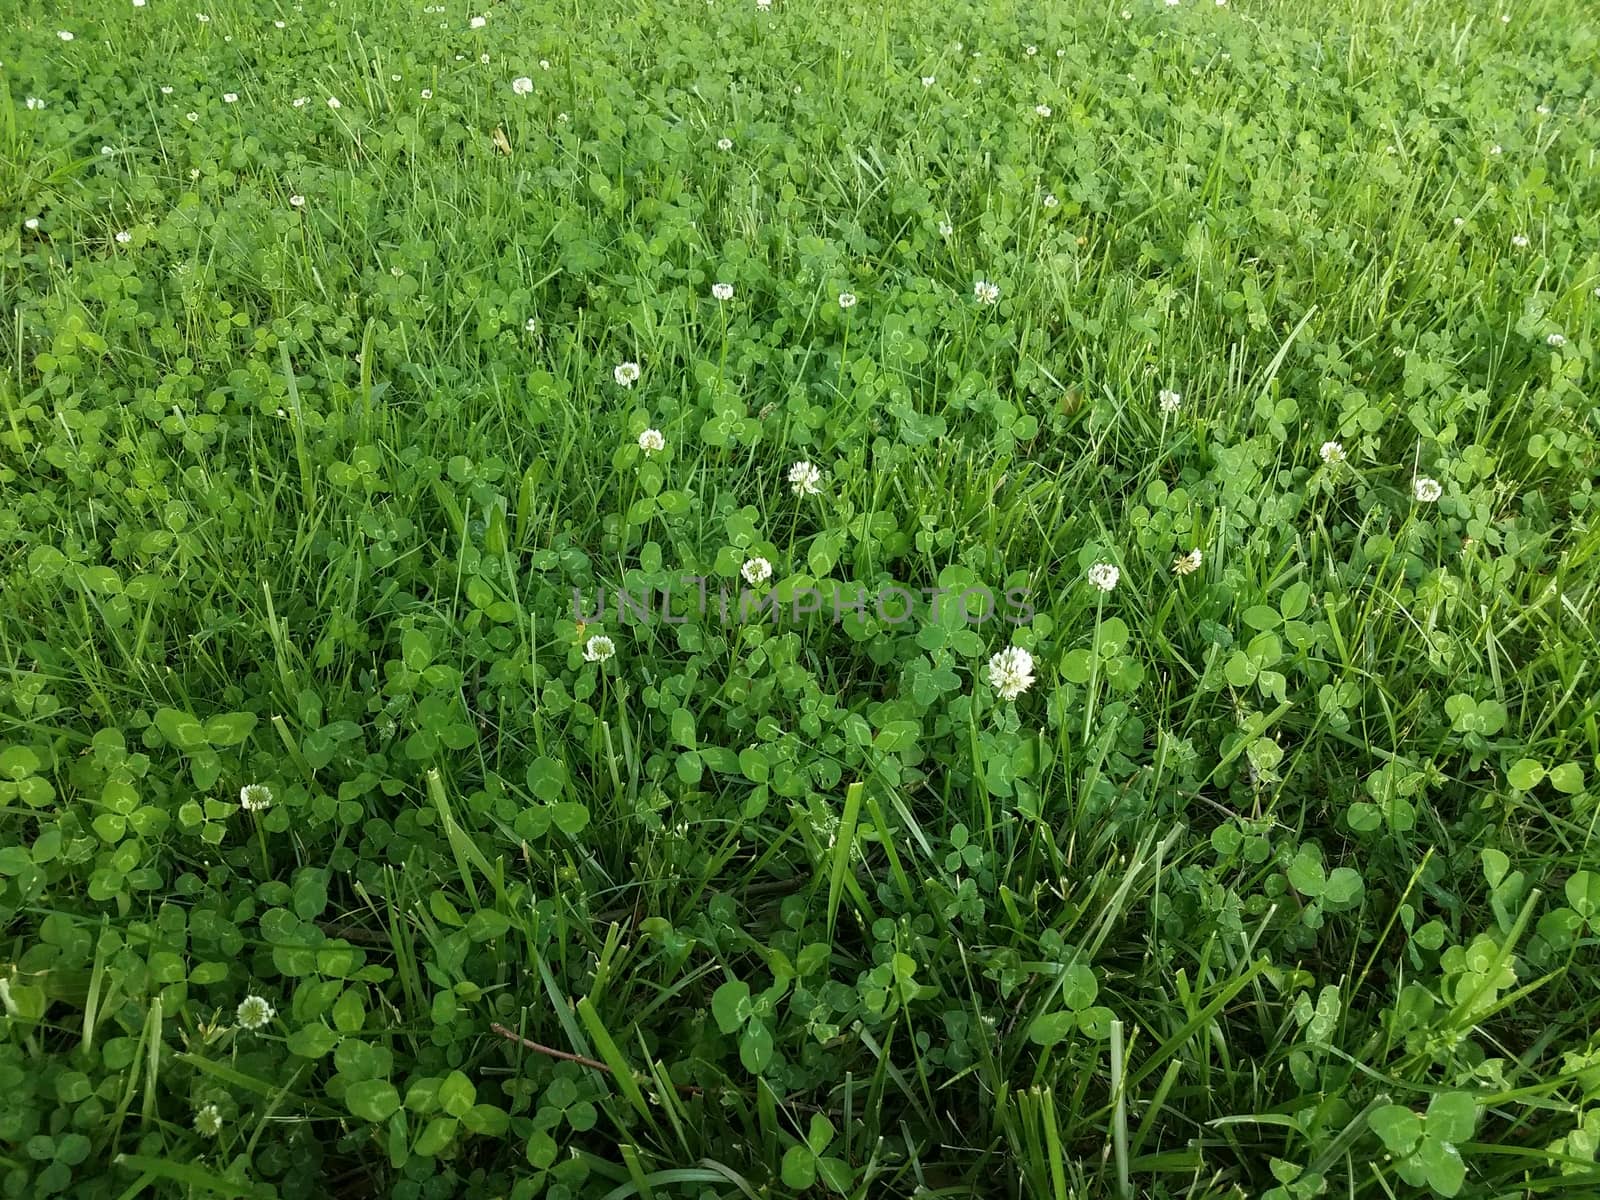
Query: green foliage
340, 854
1424, 1145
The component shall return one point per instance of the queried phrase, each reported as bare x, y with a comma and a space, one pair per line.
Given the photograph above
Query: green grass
1279, 880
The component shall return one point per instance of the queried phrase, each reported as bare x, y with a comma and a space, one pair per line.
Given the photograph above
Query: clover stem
1094, 667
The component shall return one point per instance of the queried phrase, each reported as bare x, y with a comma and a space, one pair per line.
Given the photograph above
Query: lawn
695, 598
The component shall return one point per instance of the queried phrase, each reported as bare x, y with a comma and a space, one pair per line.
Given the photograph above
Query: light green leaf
1452, 1116
1047, 1029
312, 1041
1398, 1127
230, 729
755, 1048
799, 1168
1441, 1165
1525, 774
683, 732
730, 1004
457, 1094
372, 1099
1583, 893
1567, 778
1079, 987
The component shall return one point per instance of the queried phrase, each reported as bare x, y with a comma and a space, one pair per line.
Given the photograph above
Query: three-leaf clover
804, 1161
1424, 1146
734, 1011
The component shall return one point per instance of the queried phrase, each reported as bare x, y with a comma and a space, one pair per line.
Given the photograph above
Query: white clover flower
1519, 241
1543, 110
1169, 400
484, 59
64, 34
194, 116
651, 441
1104, 576
255, 797
1426, 490
522, 85
138, 3
279, 25
1031, 51
1557, 340
333, 103
255, 1013
394, 79
123, 237
626, 374
725, 143
544, 64
106, 151
847, 299
562, 118
1188, 564
763, 5
722, 291
927, 81
1458, 222
1050, 200
208, 1119
297, 201
531, 324
202, 18
33, 102
1041, 110
396, 271
756, 571
1332, 453
1011, 672
985, 292
31, 223
1495, 151
599, 648
427, 93
1126, 15
478, 22
805, 479
1172, 3
946, 229
166, 89
301, 101
230, 97
1505, 18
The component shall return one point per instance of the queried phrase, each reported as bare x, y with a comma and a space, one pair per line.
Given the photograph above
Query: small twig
564, 1056
549, 1051
593, 1064
351, 933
